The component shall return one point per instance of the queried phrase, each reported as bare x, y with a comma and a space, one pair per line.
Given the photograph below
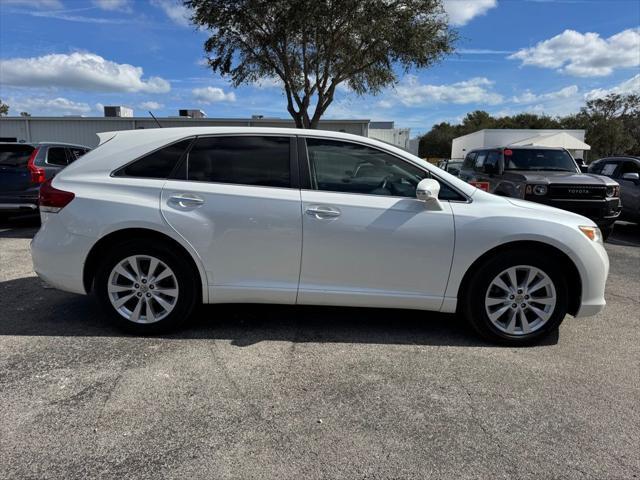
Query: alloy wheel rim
520, 300
143, 289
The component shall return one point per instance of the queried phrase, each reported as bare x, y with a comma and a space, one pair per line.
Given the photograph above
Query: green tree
437, 142
612, 124
4, 109
313, 46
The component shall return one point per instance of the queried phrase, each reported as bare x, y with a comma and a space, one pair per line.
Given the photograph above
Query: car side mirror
632, 176
584, 168
428, 190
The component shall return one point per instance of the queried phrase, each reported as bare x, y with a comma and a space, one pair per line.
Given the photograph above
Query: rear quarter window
157, 164
15, 155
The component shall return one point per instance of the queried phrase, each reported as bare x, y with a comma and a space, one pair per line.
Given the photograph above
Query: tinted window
57, 156
261, 161
539, 159
15, 155
75, 153
479, 163
607, 169
468, 161
596, 167
629, 167
158, 164
492, 158
348, 167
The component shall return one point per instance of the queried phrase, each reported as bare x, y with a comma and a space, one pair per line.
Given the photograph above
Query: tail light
38, 174
53, 200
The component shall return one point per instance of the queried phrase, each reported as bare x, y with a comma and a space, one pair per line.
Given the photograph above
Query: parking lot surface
290, 392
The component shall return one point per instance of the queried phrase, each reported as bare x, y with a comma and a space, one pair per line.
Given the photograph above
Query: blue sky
61, 57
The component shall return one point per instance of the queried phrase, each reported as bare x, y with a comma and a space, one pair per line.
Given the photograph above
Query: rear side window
243, 160
57, 156
75, 153
158, 164
15, 155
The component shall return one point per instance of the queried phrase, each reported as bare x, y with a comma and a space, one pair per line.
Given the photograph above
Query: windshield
15, 155
534, 159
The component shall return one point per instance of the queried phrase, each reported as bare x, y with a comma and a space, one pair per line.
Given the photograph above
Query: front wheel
515, 299
146, 289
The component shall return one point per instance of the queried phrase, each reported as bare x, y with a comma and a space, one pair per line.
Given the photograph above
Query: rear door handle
186, 200
322, 211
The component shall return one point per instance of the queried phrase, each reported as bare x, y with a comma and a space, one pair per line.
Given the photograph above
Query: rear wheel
515, 299
146, 289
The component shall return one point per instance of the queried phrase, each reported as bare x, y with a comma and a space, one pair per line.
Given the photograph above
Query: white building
386, 132
82, 130
572, 140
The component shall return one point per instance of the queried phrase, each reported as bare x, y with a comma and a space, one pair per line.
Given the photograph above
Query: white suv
156, 221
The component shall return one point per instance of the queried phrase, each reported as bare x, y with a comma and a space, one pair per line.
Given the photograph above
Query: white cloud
80, 71
151, 105
178, 13
529, 97
482, 51
268, 82
113, 4
213, 95
475, 90
35, 3
631, 86
584, 55
461, 12
49, 106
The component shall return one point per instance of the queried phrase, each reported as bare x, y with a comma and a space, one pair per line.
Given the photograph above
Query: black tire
187, 282
473, 298
606, 231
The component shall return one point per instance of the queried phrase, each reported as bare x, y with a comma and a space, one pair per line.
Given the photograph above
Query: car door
629, 189
236, 200
366, 239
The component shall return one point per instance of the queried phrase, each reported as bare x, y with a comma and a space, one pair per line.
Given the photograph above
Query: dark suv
626, 171
26, 166
544, 175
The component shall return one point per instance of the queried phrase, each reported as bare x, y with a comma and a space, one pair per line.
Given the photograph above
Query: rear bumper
24, 202
18, 207
58, 255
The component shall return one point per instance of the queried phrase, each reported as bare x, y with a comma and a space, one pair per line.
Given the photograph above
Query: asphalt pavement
276, 392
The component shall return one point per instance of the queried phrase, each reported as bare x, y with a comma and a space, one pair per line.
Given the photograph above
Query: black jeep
544, 175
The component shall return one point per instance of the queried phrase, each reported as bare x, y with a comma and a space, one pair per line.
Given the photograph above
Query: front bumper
602, 212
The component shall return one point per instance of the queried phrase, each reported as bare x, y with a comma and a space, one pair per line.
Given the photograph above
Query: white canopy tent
561, 139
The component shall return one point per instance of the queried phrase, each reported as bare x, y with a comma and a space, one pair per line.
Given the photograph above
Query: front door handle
186, 200
322, 211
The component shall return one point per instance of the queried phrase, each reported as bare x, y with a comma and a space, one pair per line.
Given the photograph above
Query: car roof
45, 144
619, 157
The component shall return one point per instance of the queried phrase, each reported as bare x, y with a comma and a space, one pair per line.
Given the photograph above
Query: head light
593, 233
540, 189
613, 191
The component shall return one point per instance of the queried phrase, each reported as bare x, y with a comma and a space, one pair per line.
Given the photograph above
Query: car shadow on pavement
29, 308
19, 227
625, 234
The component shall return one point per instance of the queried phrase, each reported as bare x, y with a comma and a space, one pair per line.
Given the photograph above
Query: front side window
244, 160
479, 165
57, 156
629, 167
337, 166
468, 161
158, 164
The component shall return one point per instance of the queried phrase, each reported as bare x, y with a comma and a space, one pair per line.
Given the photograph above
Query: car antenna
154, 117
